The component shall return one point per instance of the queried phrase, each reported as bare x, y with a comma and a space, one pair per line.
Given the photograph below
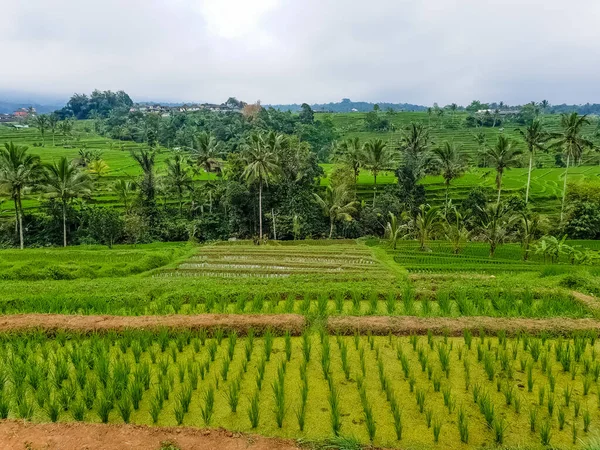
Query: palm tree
337, 205
394, 230
495, 225
456, 231
206, 152
18, 172
572, 144
503, 156
98, 168
530, 224
64, 181
480, 138
415, 140
378, 157
65, 127
262, 164
146, 160
450, 162
53, 125
124, 190
426, 222
179, 176
534, 137
351, 153
453, 108
41, 122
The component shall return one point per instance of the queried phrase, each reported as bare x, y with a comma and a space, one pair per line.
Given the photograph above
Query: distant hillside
347, 105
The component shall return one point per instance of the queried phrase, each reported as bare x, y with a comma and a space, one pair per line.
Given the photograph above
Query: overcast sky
285, 51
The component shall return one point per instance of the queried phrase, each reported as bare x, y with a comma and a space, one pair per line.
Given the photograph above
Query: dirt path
455, 326
381, 325
591, 302
16, 435
240, 322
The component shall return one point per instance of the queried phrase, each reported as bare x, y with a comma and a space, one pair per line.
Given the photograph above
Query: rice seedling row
408, 392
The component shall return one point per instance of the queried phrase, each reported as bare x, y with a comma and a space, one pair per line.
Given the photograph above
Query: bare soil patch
241, 323
381, 325
16, 435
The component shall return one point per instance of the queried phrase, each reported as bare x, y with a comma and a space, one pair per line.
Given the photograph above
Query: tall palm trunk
331, 223
64, 211
374, 188
180, 195
18, 222
562, 208
446, 203
499, 188
529, 176
21, 221
260, 209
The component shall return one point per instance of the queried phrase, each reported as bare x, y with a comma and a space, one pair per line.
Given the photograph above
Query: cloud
283, 51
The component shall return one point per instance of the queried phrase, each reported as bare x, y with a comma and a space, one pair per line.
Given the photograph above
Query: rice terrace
271, 225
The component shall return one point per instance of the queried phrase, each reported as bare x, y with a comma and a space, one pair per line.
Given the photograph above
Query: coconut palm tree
41, 122
480, 139
53, 126
572, 145
19, 171
415, 140
535, 137
456, 231
378, 157
206, 152
65, 127
146, 160
64, 181
503, 156
496, 222
262, 164
450, 162
351, 154
124, 190
337, 205
426, 222
179, 177
394, 230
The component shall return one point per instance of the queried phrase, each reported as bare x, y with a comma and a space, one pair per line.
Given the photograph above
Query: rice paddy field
408, 392
328, 344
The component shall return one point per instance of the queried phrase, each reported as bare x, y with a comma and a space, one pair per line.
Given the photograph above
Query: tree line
268, 177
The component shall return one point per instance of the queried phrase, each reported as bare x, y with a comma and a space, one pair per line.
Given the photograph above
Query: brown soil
381, 325
587, 300
16, 435
293, 323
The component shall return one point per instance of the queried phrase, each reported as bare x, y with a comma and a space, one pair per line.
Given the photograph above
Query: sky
315, 51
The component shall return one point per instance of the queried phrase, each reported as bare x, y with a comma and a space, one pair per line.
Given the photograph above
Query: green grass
101, 373
87, 261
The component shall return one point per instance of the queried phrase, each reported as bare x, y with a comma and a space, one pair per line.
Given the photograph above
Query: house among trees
23, 113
